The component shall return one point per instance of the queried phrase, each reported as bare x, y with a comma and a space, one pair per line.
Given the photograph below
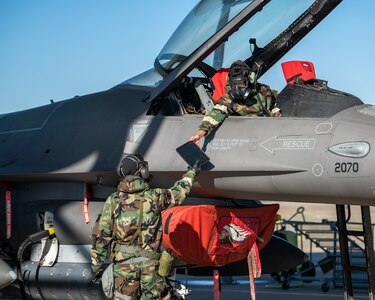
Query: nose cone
351, 155
7, 275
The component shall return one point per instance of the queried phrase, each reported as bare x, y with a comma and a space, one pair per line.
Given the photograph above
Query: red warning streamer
216, 284
85, 206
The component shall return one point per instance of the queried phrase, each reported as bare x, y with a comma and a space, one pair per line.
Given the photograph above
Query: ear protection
141, 166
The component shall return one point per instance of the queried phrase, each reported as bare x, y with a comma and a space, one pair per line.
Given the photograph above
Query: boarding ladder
347, 244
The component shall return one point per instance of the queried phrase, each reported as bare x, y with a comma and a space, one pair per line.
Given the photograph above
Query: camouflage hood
132, 184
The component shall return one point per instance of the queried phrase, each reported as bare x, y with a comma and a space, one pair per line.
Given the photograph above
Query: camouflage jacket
225, 106
119, 219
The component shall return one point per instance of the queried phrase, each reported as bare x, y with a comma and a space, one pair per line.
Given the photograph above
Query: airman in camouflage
244, 97
130, 227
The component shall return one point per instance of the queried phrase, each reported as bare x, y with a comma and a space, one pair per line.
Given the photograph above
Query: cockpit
215, 34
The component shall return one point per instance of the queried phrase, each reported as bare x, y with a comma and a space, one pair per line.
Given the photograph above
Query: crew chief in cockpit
244, 96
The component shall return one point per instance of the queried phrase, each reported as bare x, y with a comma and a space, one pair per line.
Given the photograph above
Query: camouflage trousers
141, 281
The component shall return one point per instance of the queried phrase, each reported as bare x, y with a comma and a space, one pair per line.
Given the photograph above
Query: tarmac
266, 289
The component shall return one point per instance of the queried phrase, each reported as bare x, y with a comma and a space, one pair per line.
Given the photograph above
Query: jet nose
351, 163
7, 275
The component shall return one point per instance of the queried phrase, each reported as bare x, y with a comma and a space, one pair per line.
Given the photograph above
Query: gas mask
239, 78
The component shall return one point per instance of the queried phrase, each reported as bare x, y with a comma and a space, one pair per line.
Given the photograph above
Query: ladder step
310, 231
325, 239
355, 268
354, 233
332, 248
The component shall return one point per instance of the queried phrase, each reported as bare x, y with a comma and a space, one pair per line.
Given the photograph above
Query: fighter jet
64, 156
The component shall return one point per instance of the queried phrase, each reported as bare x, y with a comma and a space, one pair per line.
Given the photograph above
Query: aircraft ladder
348, 252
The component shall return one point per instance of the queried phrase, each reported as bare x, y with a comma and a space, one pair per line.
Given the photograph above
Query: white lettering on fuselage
275, 143
137, 130
306, 144
227, 144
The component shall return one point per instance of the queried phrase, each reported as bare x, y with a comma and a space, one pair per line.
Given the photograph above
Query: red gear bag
207, 235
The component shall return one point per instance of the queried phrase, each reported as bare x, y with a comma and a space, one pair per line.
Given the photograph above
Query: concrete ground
268, 289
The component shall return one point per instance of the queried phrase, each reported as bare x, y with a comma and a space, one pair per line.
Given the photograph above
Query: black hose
36, 237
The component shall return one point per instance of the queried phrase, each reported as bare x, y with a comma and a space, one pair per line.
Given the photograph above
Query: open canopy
210, 16
217, 32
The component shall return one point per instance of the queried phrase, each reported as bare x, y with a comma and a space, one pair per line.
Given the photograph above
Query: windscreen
210, 16
201, 23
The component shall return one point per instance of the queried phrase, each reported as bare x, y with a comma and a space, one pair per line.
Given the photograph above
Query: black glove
196, 168
97, 277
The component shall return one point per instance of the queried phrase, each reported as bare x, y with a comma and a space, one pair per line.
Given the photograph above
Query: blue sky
59, 49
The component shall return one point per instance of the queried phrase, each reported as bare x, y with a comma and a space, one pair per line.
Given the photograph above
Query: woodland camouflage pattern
130, 279
225, 106
118, 224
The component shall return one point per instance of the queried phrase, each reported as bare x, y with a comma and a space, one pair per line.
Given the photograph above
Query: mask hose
36, 237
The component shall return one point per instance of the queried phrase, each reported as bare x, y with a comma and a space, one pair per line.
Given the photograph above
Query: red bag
298, 69
208, 235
